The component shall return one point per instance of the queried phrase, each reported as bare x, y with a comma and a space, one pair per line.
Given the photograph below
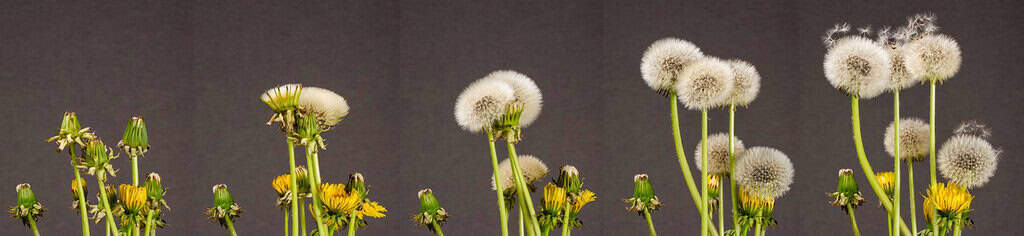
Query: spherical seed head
532, 168
900, 77
705, 83
525, 92
858, 66
25, 196
664, 60
326, 106
913, 139
282, 98
482, 103
967, 160
746, 83
933, 56
718, 153
765, 172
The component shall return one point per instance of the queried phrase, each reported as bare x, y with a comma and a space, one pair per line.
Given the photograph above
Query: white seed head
718, 153
765, 172
482, 103
933, 56
967, 160
664, 60
858, 66
973, 127
705, 83
900, 78
913, 139
533, 169
525, 92
326, 105
746, 83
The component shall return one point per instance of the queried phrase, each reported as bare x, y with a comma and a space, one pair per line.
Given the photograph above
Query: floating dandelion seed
858, 66
328, 107
664, 60
482, 103
532, 168
705, 83
973, 127
525, 92
968, 160
834, 33
746, 83
933, 56
864, 31
913, 139
718, 153
765, 172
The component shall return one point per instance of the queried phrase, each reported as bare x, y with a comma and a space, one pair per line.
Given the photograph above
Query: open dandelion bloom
328, 107
482, 103
765, 172
913, 139
933, 56
967, 160
705, 83
664, 60
887, 180
858, 66
585, 196
132, 198
950, 200
554, 198
718, 153
900, 77
746, 83
525, 92
532, 168
282, 98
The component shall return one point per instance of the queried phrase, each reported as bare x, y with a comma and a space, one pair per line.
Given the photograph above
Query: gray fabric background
195, 69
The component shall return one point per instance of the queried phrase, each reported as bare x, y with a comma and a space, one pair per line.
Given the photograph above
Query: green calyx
97, 159
136, 139
847, 193
430, 210
224, 206
642, 188
25, 196
428, 203
356, 182
154, 187
308, 133
569, 179
302, 179
28, 208
507, 126
847, 183
221, 197
69, 124
70, 132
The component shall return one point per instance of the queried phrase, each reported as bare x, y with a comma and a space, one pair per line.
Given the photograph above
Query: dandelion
482, 104
900, 77
75, 191
952, 203
431, 214
887, 180
746, 83
525, 92
705, 83
913, 139
533, 169
934, 57
326, 106
858, 66
973, 128
133, 202
643, 201
665, 60
834, 33
967, 160
28, 209
155, 199
718, 153
765, 172
224, 209
847, 193
755, 210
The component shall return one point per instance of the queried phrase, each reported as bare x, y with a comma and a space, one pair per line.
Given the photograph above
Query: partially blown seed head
913, 139
482, 103
746, 83
705, 83
718, 153
525, 92
968, 160
858, 66
664, 60
764, 172
933, 56
327, 106
533, 169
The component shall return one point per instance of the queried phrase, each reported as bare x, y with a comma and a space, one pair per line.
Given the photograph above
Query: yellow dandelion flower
554, 197
585, 196
282, 184
714, 185
752, 202
371, 209
337, 200
74, 188
133, 198
887, 181
950, 199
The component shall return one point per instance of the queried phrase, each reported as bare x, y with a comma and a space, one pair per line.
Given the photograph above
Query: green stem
897, 217
732, 165
931, 144
565, 221
522, 217
231, 227
314, 184
956, 229
650, 225
286, 218
294, 188
911, 196
106, 204
302, 214
524, 192
502, 212
721, 212
683, 163
149, 223
81, 194
853, 221
889, 225
135, 170
865, 165
437, 229
352, 224
704, 224
107, 224
32, 225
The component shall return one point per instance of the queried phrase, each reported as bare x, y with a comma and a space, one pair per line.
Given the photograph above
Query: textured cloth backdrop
195, 69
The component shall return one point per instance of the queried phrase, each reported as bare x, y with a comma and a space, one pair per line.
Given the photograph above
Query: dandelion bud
428, 203
569, 179
224, 206
97, 153
847, 193
74, 189
430, 210
356, 182
132, 198
69, 124
221, 196
28, 207
308, 127
154, 187
887, 181
70, 132
136, 140
847, 183
25, 196
643, 195
302, 180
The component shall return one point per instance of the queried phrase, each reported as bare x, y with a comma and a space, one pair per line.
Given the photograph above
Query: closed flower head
913, 139
858, 66
525, 92
482, 104
28, 208
704, 84
282, 98
643, 195
664, 60
746, 83
532, 168
326, 106
133, 198
765, 172
135, 141
968, 160
70, 132
430, 210
887, 181
847, 194
934, 57
718, 153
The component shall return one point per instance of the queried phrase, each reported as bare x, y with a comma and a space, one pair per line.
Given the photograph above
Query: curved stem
437, 229
684, 165
502, 214
294, 188
704, 224
231, 227
32, 225
565, 221
523, 190
650, 225
81, 194
853, 221
865, 165
314, 184
106, 204
911, 196
897, 217
732, 166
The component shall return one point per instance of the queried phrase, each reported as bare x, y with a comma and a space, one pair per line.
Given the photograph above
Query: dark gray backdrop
195, 69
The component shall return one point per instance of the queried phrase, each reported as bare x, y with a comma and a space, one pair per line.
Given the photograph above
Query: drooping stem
853, 221
231, 227
704, 224
565, 220
437, 229
294, 188
865, 165
135, 169
896, 160
352, 223
32, 225
911, 195
81, 194
314, 184
684, 165
650, 225
502, 214
106, 204
732, 166
522, 190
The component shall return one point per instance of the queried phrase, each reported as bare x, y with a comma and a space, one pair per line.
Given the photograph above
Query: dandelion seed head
483, 102
858, 66
525, 92
746, 83
967, 160
327, 106
705, 83
718, 153
764, 172
533, 169
913, 139
900, 78
933, 56
664, 60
